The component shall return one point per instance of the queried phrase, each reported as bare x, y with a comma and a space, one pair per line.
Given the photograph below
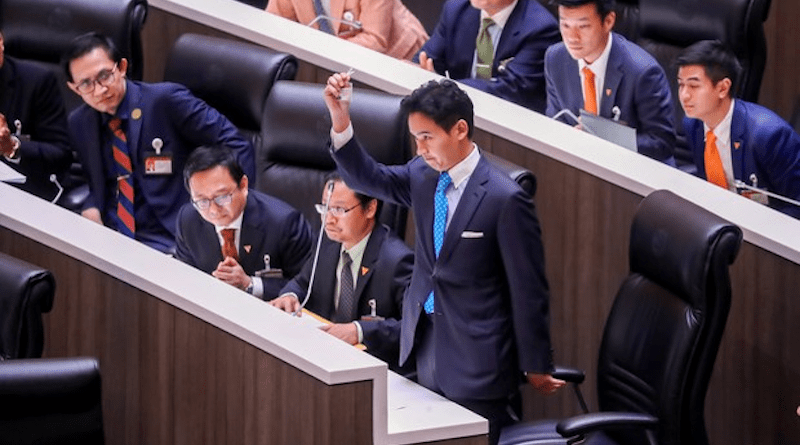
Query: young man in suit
232, 232
515, 33
384, 26
366, 302
603, 73
476, 315
29, 95
733, 140
133, 139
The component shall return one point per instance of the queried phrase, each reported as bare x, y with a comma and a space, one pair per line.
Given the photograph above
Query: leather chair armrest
569, 375
587, 423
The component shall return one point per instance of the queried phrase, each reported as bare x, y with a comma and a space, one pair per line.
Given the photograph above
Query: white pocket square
468, 234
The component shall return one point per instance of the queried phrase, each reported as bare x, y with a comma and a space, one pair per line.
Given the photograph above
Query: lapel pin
136, 114
737, 144
364, 270
608, 91
247, 248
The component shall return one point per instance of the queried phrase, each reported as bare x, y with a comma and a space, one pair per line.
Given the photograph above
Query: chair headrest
673, 242
43, 29
682, 23
232, 76
27, 292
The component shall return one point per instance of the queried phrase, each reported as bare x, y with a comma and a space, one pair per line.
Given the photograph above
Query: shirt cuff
360, 332
258, 287
339, 139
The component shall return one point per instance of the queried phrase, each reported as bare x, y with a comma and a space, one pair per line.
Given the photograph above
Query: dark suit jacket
384, 276
517, 71
269, 226
763, 146
169, 112
492, 297
634, 82
31, 94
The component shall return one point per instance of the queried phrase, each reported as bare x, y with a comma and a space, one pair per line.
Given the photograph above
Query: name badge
158, 165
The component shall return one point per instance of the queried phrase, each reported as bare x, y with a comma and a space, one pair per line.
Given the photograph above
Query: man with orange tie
133, 138
602, 72
233, 233
733, 140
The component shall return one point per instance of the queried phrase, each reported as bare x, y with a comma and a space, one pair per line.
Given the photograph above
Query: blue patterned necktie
324, 24
439, 223
122, 162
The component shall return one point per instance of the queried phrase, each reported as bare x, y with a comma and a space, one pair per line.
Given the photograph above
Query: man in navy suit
733, 140
476, 315
380, 267
627, 81
30, 95
520, 33
265, 233
162, 123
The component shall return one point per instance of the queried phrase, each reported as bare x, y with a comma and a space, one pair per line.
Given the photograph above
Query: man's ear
723, 88
461, 129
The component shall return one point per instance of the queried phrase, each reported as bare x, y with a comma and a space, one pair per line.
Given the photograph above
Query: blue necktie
324, 24
439, 223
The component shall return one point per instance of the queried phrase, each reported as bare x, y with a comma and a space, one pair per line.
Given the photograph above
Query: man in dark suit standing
603, 73
476, 315
366, 302
232, 232
39, 147
496, 46
133, 139
733, 140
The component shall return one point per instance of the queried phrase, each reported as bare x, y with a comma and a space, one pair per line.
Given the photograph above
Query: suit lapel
135, 125
738, 140
324, 287
614, 75
251, 239
470, 201
508, 39
371, 253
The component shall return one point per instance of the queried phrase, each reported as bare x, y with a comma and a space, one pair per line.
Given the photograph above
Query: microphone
348, 20
616, 112
54, 180
568, 112
316, 252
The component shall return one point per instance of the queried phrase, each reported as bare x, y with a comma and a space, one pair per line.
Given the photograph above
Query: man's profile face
352, 226
584, 32
217, 183
439, 148
699, 96
95, 65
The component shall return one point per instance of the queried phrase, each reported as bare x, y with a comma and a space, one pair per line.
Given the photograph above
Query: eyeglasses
220, 201
104, 79
335, 211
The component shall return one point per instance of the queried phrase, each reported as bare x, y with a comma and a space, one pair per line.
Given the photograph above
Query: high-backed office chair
294, 158
51, 402
662, 335
42, 30
232, 76
26, 292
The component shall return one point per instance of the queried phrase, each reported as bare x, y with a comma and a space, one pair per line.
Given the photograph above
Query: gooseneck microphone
54, 180
316, 251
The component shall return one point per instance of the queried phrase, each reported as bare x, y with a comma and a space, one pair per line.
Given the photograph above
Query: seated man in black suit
365, 303
38, 146
235, 232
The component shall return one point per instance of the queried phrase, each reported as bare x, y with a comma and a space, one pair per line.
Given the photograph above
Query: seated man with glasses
133, 139
243, 237
361, 275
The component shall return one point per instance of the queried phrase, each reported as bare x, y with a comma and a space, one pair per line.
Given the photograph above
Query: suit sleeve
376, 20
519, 237
48, 148
523, 77
554, 104
362, 173
182, 251
781, 163
655, 136
299, 284
382, 338
436, 45
296, 246
203, 125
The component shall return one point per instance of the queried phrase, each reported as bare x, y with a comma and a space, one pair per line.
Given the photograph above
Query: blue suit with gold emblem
163, 123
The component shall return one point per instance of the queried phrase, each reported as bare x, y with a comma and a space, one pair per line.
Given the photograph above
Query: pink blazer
387, 25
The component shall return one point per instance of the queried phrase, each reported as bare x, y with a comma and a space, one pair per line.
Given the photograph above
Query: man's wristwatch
249, 288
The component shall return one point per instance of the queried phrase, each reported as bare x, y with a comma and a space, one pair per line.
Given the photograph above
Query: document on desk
8, 174
311, 319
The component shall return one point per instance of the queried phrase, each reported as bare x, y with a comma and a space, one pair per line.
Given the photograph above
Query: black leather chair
662, 335
26, 292
51, 402
42, 30
232, 76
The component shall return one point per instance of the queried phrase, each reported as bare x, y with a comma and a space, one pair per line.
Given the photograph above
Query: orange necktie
229, 247
590, 93
714, 171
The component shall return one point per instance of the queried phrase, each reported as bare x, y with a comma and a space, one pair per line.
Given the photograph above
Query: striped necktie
439, 224
122, 161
